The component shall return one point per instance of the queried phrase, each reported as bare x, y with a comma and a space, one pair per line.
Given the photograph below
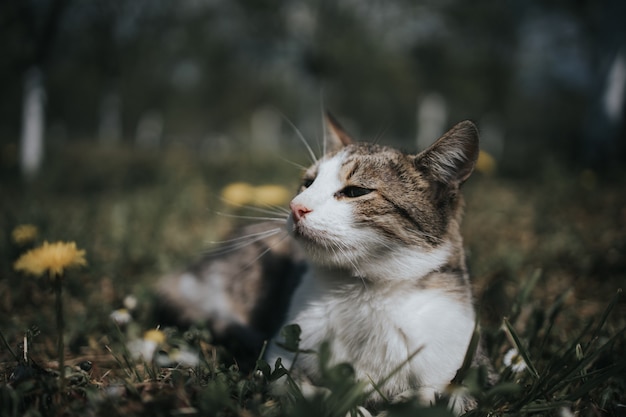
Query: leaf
264, 367
279, 371
291, 337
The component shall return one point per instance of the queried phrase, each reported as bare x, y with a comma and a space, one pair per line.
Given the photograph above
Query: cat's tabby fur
374, 264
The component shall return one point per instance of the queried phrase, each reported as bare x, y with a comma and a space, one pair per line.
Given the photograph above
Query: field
547, 254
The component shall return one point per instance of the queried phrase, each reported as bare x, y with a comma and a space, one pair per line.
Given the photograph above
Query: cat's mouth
322, 246
307, 235
303, 233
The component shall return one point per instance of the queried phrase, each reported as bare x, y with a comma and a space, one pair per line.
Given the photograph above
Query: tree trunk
33, 123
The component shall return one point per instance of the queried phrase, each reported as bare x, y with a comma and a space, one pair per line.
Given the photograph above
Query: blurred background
544, 80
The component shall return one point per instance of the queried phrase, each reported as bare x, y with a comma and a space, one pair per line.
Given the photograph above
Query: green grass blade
6, 345
525, 293
515, 341
604, 317
394, 371
469, 356
553, 313
544, 406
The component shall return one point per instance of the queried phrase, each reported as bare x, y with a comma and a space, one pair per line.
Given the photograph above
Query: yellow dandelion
154, 335
238, 194
24, 233
51, 257
271, 195
486, 163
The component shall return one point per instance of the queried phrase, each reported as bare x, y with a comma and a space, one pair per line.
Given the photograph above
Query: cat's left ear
451, 159
335, 137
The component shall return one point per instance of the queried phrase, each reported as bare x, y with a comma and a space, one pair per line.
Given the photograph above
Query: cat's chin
326, 254
318, 247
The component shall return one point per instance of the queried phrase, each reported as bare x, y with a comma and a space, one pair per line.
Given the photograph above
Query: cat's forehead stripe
367, 158
353, 168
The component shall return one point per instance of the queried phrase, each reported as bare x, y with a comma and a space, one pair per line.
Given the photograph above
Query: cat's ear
451, 159
335, 136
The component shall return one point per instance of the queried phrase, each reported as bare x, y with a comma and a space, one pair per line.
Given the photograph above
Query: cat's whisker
352, 262
300, 136
264, 252
279, 211
238, 216
231, 248
323, 121
272, 209
344, 251
381, 133
285, 211
243, 241
295, 164
264, 233
266, 209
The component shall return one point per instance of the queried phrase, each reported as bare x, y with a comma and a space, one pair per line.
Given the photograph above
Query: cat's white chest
378, 331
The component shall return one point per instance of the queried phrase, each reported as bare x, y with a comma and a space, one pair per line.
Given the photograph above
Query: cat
372, 263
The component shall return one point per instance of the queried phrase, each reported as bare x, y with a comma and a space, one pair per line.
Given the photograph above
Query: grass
547, 255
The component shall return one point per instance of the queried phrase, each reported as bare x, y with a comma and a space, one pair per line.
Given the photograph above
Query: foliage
547, 262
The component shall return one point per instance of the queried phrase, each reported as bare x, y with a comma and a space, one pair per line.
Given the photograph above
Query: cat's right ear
451, 159
335, 136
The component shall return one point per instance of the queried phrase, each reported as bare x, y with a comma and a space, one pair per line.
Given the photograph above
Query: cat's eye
352, 191
307, 182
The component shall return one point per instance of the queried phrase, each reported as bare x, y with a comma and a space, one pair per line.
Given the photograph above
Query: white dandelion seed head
121, 316
130, 302
142, 349
514, 360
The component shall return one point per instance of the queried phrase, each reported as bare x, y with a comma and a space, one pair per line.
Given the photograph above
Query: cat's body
385, 281
242, 294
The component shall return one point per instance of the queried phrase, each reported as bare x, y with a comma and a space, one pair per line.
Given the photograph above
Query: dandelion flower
183, 356
142, 349
130, 302
241, 194
24, 233
155, 335
486, 163
146, 347
513, 359
51, 257
271, 195
121, 316
238, 194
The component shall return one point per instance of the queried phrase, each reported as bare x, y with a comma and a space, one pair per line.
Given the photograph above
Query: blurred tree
31, 28
204, 68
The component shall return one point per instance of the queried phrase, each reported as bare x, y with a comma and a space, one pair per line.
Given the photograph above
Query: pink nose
299, 211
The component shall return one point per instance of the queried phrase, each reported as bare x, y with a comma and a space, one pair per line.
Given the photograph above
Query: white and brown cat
373, 263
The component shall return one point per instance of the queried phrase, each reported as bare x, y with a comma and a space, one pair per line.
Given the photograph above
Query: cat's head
361, 205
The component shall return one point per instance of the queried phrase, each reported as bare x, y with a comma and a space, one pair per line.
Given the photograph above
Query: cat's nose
299, 211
